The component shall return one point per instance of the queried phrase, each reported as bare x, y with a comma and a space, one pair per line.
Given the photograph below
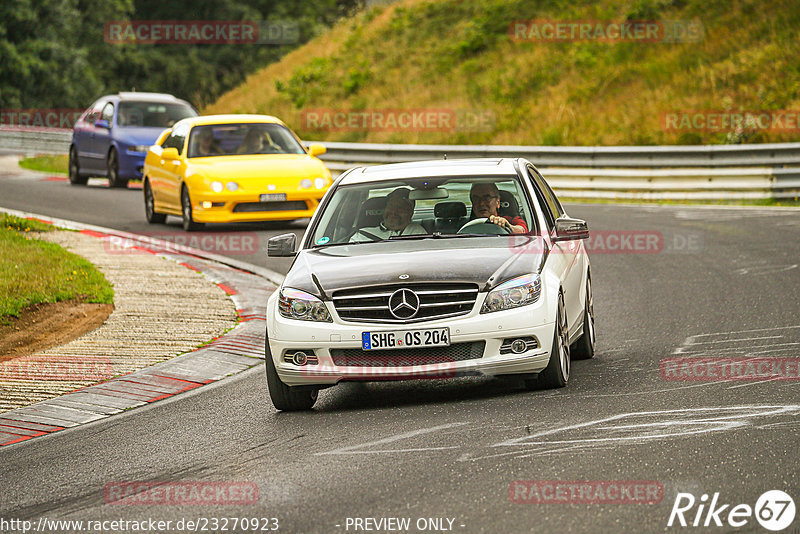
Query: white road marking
747, 342
766, 269
754, 383
391, 439
668, 424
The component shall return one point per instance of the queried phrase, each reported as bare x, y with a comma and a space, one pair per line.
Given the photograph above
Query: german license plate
400, 339
273, 197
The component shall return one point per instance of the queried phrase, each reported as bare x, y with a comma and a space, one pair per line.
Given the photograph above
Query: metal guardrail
668, 172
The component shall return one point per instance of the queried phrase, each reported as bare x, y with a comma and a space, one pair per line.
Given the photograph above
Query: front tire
149, 206
75, 177
113, 171
189, 224
556, 374
584, 346
287, 398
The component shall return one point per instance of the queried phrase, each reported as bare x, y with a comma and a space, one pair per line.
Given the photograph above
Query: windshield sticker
323, 240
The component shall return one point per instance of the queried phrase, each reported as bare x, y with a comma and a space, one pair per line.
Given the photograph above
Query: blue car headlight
296, 304
514, 293
138, 148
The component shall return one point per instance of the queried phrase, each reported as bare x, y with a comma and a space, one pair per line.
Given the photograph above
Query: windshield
242, 139
152, 114
424, 207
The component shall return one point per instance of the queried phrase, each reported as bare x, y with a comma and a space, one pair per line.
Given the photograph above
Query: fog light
518, 346
300, 358
205, 204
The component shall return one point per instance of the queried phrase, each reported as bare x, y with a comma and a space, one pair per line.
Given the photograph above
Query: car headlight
232, 186
217, 187
306, 183
319, 183
296, 304
138, 148
514, 293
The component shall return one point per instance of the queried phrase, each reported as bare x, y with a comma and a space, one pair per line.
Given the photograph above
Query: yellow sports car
232, 168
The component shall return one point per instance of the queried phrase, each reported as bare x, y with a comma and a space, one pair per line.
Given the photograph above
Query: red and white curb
236, 351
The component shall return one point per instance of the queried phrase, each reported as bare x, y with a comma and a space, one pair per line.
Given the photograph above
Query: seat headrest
509, 207
450, 210
371, 212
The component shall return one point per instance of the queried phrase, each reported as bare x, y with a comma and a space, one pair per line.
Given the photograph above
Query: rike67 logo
774, 510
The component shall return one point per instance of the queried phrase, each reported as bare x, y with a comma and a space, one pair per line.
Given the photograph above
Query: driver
485, 198
206, 144
396, 219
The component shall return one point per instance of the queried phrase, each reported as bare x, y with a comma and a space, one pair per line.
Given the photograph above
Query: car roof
230, 119
430, 168
147, 97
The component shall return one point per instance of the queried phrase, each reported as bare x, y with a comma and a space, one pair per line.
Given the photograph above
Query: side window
166, 141
177, 138
554, 202
108, 113
94, 112
541, 197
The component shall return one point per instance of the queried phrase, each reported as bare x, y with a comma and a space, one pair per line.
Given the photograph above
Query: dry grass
456, 54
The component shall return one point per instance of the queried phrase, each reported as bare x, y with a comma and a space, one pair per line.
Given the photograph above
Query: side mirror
281, 245
316, 149
170, 153
102, 123
569, 229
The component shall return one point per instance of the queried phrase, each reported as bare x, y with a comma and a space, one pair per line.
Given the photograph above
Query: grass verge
55, 163
33, 271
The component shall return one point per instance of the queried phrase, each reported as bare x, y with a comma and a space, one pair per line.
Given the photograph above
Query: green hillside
458, 56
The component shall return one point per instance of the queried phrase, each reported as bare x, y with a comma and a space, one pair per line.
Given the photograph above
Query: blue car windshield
152, 114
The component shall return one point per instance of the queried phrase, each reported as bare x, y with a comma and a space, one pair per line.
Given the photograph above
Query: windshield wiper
435, 235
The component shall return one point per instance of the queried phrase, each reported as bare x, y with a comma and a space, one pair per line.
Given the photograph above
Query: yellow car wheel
189, 223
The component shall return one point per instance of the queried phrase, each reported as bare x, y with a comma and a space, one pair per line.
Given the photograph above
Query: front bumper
131, 165
298, 205
288, 335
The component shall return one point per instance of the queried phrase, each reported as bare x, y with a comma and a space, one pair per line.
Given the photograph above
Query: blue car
112, 137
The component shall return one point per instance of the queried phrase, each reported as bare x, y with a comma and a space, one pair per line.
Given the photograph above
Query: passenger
396, 220
485, 199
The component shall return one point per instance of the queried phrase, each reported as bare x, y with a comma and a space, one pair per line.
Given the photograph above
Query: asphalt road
722, 282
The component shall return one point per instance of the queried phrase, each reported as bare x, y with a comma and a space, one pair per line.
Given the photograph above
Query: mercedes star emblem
404, 304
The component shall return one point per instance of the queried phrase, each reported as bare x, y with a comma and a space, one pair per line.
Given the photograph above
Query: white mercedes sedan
431, 269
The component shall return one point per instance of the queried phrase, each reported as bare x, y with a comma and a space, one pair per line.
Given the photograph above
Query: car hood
138, 136
487, 261
259, 166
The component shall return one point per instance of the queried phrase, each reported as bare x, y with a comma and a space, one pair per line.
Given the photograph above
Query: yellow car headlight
216, 187
232, 186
